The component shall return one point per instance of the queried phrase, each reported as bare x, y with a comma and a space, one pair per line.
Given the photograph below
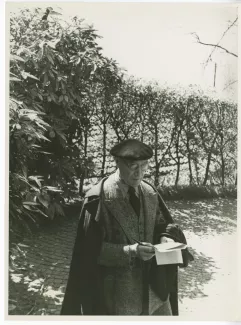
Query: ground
39, 265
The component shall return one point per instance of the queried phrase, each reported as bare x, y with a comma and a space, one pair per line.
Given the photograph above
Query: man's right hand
145, 252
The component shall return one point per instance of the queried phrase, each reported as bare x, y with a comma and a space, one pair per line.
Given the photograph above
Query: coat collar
96, 189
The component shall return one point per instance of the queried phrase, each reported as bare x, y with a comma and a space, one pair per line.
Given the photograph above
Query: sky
153, 41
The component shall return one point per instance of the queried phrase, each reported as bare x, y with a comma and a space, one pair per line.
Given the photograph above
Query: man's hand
145, 251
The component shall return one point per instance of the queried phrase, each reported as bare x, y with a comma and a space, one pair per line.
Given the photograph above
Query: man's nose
138, 171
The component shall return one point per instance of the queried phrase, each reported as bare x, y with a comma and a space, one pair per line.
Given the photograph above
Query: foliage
56, 70
69, 104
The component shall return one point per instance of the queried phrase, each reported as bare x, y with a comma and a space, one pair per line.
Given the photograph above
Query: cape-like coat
84, 291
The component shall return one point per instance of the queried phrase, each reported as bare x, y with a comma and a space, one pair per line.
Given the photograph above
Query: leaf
14, 57
45, 152
23, 245
52, 189
28, 207
14, 79
40, 53
54, 43
41, 212
35, 146
36, 179
61, 135
41, 126
25, 75
30, 203
44, 199
41, 136
50, 58
16, 278
24, 50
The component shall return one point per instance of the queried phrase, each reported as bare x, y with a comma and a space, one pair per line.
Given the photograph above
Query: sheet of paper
169, 253
169, 257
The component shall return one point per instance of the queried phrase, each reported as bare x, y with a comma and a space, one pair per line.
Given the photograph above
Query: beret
132, 149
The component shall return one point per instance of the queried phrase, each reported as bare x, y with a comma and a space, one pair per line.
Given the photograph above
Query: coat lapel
120, 208
150, 202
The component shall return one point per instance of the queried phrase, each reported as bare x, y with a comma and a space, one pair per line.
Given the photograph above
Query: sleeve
116, 255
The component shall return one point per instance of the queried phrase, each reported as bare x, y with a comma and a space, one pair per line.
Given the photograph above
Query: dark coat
83, 295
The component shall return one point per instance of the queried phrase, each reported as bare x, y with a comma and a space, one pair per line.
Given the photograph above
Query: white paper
169, 253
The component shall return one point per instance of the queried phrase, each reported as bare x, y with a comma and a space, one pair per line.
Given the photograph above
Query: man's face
132, 172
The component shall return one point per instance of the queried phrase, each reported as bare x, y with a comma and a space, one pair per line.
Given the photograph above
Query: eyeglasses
134, 166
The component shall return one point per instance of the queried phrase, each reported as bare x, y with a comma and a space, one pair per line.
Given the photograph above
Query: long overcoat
86, 290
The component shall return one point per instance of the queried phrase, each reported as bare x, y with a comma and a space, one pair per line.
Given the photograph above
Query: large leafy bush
56, 72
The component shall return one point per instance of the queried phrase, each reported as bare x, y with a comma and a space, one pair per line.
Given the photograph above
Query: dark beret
132, 149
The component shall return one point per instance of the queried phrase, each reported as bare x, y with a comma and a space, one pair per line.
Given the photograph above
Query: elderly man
113, 271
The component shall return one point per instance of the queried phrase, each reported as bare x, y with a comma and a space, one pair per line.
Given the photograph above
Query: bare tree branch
214, 45
230, 84
218, 44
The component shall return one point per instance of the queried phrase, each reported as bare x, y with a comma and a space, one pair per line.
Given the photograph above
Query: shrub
196, 192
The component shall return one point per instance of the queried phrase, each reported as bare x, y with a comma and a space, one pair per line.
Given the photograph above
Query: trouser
164, 310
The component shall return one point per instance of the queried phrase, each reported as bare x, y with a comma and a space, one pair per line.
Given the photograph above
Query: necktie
134, 200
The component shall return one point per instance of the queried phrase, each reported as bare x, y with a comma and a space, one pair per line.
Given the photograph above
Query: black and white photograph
122, 161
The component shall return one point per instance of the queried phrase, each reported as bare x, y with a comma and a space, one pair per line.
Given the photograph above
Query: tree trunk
189, 162
104, 150
84, 172
209, 161
222, 162
178, 171
156, 156
207, 168
196, 169
81, 183
178, 158
86, 143
223, 169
